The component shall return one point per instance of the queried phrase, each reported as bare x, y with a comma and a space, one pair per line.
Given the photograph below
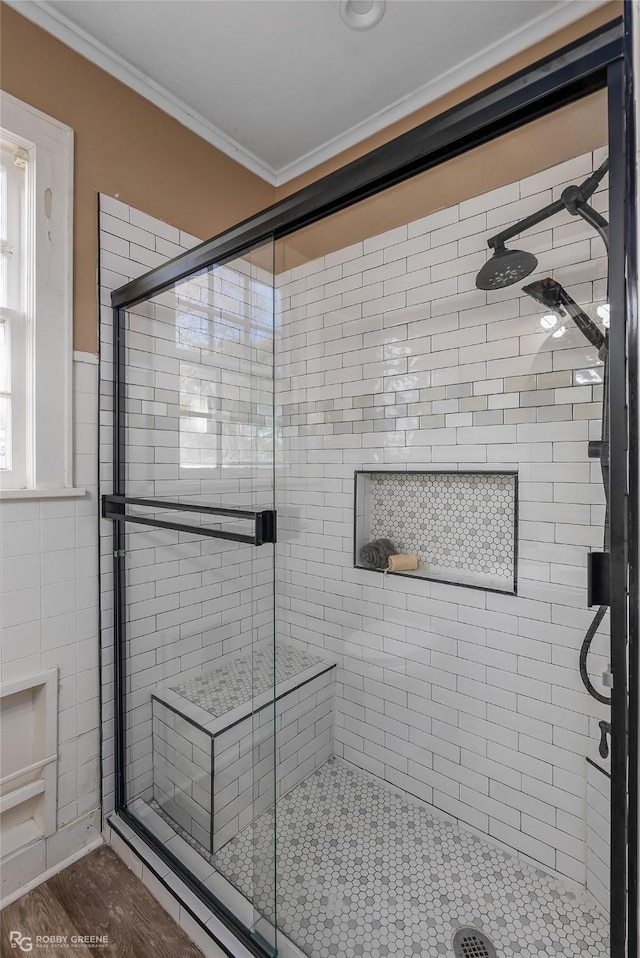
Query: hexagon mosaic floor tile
363, 873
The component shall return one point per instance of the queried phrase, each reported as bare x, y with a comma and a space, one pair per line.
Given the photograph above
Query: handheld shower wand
550, 294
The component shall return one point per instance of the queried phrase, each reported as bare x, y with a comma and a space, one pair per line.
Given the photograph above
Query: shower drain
470, 942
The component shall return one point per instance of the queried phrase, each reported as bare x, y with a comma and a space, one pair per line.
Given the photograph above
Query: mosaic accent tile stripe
227, 686
535, 397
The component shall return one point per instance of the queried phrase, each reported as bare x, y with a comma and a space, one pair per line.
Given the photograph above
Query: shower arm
498, 241
573, 200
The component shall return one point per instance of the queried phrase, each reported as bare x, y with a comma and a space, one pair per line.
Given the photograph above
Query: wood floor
97, 895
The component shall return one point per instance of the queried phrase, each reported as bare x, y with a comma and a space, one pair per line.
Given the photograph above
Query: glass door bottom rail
214, 746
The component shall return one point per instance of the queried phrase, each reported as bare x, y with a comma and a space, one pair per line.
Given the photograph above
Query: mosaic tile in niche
464, 522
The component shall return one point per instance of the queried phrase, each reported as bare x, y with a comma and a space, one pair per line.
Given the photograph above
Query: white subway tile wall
126, 244
199, 424
49, 598
598, 834
388, 357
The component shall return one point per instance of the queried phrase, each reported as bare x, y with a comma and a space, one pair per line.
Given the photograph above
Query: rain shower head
506, 267
548, 293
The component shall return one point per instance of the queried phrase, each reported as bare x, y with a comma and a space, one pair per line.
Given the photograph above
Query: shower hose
604, 468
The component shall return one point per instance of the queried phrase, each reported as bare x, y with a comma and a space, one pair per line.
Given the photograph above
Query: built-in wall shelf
461, 526
29, 759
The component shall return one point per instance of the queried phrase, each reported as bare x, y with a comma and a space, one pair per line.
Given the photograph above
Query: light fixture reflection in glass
548, 321
559, 332
587, 377
604, 312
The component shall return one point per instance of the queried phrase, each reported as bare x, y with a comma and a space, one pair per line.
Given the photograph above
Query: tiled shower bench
213, 739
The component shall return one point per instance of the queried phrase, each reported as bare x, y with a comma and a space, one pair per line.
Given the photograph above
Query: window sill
6, 494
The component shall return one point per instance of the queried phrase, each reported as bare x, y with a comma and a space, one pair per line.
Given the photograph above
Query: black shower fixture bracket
574, 200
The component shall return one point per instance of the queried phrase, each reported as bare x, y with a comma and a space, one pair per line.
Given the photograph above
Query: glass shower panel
198, 539
418, 388
440, 418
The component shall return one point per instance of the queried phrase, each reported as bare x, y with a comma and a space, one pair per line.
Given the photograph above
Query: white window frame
13, 317
47, 324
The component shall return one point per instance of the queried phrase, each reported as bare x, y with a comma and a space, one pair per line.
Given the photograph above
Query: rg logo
18, 940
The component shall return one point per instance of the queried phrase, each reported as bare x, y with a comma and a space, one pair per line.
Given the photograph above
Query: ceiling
282, 85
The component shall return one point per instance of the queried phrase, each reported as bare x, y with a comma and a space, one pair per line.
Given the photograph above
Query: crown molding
59, 26
40, 13
516, 42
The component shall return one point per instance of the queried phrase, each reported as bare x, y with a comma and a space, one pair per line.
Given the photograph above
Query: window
36, 177
224, 324
12, 319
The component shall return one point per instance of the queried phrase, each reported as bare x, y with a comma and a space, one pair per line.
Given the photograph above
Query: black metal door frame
599, 60
619, 517
629, 93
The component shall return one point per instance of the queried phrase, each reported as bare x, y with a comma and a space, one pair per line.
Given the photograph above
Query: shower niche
459, 527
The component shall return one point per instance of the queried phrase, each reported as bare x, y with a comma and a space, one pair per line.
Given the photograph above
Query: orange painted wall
124, 146
523, 152
127, 147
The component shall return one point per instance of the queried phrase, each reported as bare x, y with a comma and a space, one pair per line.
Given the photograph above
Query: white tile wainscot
49, 558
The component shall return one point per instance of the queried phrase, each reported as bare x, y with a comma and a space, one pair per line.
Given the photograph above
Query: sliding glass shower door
194, 566
450, 770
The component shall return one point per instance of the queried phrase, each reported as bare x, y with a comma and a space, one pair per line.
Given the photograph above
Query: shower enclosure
342, 759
